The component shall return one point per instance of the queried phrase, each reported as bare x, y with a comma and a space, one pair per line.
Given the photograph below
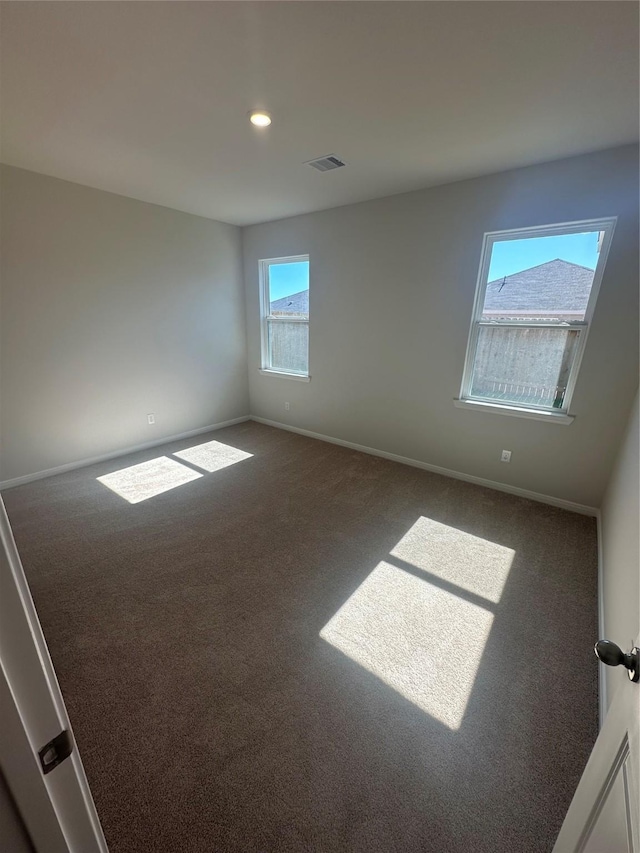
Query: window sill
299, 377
515, 411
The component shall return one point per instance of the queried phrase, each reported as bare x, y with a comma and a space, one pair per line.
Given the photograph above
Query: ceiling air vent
325, 164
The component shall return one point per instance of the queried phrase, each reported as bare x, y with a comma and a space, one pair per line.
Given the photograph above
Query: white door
56, 805
604, 816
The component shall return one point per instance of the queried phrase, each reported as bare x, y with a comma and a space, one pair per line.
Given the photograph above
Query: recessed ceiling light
260, 118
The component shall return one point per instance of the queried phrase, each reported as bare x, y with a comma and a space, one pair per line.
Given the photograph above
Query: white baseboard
436, 469
70, 466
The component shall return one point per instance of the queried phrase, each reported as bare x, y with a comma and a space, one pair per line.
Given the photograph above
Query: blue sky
508, 256
285, 279
511, 256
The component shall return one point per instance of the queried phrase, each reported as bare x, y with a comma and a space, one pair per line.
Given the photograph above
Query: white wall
112, 309
392, 285
620, 530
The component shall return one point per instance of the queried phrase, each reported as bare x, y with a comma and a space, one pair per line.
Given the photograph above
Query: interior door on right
604, 815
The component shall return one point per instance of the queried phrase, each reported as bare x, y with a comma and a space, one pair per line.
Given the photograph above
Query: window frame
266, 317
544, 413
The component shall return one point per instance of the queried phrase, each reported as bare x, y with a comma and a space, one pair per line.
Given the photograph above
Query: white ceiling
150, 100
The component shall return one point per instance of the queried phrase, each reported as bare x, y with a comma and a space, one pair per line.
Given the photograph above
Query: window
284, 295
536, 293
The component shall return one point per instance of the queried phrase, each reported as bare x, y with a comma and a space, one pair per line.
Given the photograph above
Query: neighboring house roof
297, 303
558, 286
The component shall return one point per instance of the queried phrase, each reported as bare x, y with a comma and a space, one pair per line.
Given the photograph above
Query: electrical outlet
287, 407
506, 456
151, 419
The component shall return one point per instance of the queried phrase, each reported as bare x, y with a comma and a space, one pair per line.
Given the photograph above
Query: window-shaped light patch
420, 621
419, 639
140, 482
213, 455
469, 562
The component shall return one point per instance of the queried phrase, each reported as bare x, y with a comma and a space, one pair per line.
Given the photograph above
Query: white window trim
556, 417
465, 400
263, 274
282, 374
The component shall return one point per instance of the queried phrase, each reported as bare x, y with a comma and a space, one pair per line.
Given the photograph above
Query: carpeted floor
305, 648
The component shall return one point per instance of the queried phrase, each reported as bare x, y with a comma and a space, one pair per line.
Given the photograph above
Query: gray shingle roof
297, 303
556, 286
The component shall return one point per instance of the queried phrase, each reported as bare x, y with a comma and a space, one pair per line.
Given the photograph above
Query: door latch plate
55, 752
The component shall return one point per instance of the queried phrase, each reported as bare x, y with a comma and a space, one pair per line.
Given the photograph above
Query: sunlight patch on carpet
213, 455
423, 637
141, 482
477, 565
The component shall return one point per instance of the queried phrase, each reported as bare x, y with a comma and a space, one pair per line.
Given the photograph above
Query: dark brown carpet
211, 715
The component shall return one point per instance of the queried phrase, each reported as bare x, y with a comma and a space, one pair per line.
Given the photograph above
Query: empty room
319, 430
